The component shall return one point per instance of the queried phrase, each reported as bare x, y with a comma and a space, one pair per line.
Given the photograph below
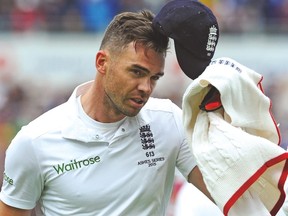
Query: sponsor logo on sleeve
7, 179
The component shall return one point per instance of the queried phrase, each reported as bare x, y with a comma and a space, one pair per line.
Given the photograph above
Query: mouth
138, 102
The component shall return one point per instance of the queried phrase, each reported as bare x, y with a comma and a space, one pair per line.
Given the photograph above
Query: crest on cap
212, 40
195, 32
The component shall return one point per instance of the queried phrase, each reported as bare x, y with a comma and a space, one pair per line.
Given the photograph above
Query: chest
102, 174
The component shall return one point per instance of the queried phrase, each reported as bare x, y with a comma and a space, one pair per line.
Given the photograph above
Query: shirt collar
76, 129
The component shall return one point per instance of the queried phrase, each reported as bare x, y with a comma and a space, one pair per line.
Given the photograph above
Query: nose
145, 86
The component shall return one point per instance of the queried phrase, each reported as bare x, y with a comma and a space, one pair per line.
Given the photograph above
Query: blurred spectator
25, 15
5, 9
129, 5
276, 89
96, 14
235, 16
275, 15
61, 16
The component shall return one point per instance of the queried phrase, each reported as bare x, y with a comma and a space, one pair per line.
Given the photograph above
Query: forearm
195, 177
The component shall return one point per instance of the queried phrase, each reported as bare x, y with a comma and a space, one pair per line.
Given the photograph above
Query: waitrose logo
75, 164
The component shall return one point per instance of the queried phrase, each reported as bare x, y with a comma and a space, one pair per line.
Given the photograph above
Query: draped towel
237, 147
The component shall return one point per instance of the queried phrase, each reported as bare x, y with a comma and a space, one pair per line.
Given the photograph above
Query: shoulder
30, 138
163, 112
47, 122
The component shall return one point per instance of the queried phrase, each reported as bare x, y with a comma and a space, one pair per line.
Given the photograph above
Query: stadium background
47, 47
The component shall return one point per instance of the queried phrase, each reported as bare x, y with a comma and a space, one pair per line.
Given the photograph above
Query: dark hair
137, 27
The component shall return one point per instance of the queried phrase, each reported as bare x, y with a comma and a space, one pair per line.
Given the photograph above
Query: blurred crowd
235, 16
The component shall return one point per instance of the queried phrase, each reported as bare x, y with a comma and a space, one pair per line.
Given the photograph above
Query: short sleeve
185, 160
22, 183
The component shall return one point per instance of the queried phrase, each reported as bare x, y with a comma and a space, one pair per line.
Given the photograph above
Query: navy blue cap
195, 32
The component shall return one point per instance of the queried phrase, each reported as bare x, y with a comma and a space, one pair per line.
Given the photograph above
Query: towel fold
236, 147
242, 97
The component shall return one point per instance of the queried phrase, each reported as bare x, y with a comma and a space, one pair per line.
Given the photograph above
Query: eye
137, 72
155, 78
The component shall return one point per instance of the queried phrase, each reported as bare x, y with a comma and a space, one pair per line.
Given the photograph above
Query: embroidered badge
147, 141
146, 136
212, 39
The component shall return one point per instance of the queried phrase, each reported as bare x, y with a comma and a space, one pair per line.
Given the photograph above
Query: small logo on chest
148, 144
146, 136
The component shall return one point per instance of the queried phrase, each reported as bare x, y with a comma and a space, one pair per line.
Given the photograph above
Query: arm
11, 211
195, 178
22, 184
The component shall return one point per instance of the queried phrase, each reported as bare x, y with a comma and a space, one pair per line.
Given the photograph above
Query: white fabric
71, 169
105, 131
236, 147
241, 95
229, 157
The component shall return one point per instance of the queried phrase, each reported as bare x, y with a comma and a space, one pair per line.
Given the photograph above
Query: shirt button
96, 137
123, 129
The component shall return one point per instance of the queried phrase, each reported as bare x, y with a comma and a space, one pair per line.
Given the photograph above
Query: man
110, 149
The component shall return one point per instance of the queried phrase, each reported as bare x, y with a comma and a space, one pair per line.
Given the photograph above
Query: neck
93, 103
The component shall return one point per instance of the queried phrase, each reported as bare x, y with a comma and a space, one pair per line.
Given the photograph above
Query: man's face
130, 79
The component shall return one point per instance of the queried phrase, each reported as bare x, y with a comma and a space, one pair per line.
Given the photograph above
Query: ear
101, 61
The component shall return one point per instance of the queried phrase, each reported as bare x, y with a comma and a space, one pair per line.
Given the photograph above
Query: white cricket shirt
67, 166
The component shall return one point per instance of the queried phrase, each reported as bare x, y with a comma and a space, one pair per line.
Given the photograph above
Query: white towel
237, 152
241, 95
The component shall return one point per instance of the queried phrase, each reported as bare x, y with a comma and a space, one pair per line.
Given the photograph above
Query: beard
119, 105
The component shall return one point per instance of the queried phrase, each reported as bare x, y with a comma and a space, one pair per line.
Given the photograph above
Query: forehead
141, 54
